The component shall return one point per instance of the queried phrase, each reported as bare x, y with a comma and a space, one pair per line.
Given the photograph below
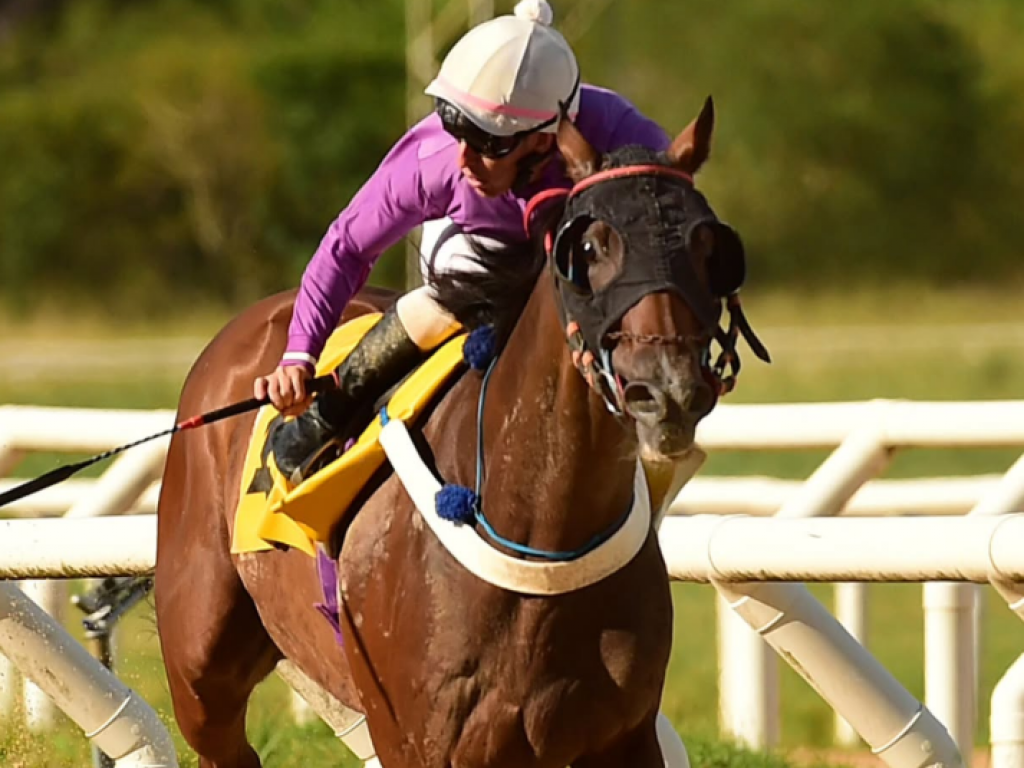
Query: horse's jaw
665, 410
665, 441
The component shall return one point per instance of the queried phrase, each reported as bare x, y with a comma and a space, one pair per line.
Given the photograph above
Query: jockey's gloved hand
287, 388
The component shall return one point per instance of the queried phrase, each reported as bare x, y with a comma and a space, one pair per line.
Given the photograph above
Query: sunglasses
480, 141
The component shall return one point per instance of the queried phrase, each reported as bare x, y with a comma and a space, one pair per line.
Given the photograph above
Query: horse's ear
581, 159
692, 147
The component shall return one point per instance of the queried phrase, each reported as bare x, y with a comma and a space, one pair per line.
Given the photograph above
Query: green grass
895, 636
948, 373
279, 742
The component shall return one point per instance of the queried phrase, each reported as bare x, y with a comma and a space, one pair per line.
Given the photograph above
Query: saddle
272, 512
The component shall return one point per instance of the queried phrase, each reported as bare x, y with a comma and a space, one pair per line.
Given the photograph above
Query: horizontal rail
739, 548
733, 495
900, 424
58, 499
699, 548
716, 495
85, 430
56, 548
790, 426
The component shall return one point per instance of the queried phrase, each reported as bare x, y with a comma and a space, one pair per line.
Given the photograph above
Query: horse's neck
560, 468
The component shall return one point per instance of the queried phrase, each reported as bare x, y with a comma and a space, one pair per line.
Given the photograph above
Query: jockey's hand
286, 388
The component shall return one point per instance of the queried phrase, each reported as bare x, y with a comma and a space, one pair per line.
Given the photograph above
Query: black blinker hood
656, 217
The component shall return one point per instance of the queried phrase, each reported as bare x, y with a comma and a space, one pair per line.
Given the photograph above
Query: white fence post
117, 720
950, 676
40, 711
10, 686
898, 728
1006, 720
748, 681
113, 493
859, 457
123, 483
851, 610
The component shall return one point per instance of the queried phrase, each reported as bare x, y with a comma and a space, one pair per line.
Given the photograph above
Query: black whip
60, 474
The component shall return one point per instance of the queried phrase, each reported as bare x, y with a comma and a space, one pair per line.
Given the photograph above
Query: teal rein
476, 497
478, 512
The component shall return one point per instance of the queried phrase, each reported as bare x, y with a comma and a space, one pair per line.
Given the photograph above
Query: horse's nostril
645, 402
702, 399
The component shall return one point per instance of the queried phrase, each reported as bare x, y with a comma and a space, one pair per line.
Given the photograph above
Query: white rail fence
863, 436
26, 430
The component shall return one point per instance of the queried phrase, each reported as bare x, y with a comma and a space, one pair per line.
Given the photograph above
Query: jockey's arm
631, 126
391, 203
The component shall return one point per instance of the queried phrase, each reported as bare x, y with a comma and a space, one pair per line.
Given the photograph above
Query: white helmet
510, 74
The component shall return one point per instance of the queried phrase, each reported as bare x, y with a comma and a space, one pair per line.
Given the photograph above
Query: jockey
468, 169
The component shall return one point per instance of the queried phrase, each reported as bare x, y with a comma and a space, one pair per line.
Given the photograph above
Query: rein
595, 372
597, 368
485, 524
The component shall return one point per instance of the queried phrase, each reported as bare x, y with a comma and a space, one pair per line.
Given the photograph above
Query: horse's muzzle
666, 421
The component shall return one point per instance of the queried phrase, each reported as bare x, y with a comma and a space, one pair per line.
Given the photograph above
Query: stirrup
350, 430
309, 465
303, 471
298, 444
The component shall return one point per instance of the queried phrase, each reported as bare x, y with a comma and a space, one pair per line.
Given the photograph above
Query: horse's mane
497, 292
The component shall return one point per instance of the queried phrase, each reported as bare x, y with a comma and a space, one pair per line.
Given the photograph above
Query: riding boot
380, 359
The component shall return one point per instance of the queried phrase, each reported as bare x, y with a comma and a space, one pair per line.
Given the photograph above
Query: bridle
591, 356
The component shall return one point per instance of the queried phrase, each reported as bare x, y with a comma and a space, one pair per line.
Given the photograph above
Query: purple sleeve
391, 203
635, 128
609, 121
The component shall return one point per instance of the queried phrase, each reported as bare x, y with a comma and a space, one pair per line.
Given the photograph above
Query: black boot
380, 359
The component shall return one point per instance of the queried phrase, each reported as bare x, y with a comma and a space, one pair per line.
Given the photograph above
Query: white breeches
427, 323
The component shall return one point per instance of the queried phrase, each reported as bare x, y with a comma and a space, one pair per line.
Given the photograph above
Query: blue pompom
479, 348
455, 503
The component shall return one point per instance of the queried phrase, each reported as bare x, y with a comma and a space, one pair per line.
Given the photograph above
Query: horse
604, 320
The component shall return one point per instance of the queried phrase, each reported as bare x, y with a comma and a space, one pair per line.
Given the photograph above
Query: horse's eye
589, 250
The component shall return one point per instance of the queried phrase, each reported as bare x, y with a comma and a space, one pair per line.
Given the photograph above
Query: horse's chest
536, 703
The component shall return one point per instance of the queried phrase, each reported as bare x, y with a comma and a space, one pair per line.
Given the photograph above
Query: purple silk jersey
420, 180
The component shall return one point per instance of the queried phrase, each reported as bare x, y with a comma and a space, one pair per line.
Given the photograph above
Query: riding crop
60, 474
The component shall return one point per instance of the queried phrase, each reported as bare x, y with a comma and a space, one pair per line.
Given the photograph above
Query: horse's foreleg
214, 646
638, 748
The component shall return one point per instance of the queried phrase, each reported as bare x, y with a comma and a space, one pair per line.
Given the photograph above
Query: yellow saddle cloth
271, 511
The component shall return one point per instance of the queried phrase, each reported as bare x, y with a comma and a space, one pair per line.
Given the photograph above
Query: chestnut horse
449, 669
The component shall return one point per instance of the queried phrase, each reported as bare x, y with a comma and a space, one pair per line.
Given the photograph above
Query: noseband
587, 316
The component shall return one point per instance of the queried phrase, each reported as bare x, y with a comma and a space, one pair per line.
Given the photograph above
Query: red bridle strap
538, 200
613, 173
630, 170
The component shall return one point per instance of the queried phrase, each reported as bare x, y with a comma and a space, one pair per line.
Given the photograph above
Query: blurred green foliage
161, 154
158, 154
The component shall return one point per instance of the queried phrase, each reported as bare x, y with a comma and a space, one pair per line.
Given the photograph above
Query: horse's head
643, 266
